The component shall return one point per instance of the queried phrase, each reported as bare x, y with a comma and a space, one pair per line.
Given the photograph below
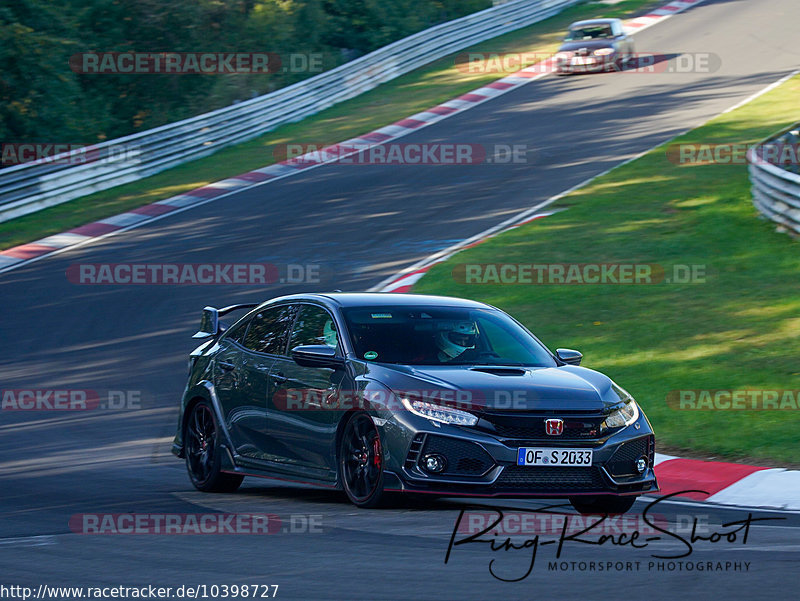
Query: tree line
45, 98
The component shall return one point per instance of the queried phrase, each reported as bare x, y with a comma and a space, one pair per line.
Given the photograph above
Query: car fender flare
205, 389
376, 412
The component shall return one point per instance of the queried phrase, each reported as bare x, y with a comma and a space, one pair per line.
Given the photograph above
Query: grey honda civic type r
376, 394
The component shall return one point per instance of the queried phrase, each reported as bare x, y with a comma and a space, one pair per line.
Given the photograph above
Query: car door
264, 341
301, 416
226, 373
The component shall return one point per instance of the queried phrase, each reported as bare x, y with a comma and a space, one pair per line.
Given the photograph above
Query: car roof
378, 299
589, 22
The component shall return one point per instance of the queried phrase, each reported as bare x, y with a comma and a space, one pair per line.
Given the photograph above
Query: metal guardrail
775, 189
33, 186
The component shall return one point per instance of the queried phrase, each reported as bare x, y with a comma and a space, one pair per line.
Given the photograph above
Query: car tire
602, 504
361, 462
204, 452
631, 61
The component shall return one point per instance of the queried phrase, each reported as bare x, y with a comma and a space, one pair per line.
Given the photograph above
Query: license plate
554, 457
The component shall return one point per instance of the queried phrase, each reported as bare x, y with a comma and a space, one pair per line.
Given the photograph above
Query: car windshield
589, 32
442, 336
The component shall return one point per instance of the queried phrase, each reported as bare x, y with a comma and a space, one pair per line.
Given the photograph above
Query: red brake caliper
376, 452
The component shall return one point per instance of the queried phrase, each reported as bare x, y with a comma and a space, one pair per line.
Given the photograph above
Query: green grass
739, 329
404, 96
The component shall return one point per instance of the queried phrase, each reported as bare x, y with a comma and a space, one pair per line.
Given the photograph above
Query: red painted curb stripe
254, 176
528, 220
472, 97
409, 123
94, 229
375, 136
478, 242
207, 192
499, 85
525, 74
153, 209
27, 251
675, 475
441, 110
403, 289
408, 287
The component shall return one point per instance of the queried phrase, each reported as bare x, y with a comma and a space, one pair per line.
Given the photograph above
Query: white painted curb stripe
661, 458
765, 488
125, 219
62, 240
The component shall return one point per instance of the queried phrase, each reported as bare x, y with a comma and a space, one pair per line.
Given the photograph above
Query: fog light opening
641, 465
433, 463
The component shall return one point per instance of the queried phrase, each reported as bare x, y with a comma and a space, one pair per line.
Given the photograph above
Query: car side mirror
209, 323
569, 356
316, 355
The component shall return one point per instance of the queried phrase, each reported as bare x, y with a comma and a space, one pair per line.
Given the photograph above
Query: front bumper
483, 465
593, 64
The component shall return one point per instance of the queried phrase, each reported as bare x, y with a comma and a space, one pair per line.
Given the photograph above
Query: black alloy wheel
361, 462
203, 453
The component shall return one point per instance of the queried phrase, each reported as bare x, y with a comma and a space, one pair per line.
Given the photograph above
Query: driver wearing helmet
329, 334
456, 339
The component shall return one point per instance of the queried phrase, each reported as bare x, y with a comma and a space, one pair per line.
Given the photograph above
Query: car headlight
623, 416
603, 51
440, 413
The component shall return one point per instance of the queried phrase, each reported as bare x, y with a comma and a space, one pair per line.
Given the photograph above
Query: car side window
269, 330
237, 331
314, 325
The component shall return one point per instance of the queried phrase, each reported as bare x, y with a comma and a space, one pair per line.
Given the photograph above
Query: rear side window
269, 330
236, 332
314, 325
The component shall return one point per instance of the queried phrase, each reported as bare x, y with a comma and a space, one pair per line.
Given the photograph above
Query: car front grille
572, 479
532, 427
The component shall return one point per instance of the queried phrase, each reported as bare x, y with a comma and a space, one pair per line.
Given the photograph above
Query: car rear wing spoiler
210, 324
